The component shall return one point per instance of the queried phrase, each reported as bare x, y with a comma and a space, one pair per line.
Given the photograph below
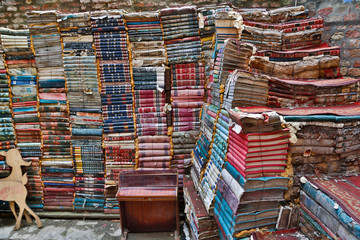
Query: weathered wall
342, 17
342, 28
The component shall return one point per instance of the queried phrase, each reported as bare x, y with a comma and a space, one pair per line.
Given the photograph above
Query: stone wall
342, 17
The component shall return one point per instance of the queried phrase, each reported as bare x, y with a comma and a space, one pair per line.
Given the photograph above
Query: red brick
353, 34
350, 17
325, 11
357, 64
354, 43
351, 53
30, 8
4, 21
355, 72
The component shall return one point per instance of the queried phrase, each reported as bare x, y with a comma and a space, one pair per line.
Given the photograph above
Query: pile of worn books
20, 63
183, 46
57, 160
7, 136
200, 154
85, 110
202, 225
248, 195
232, 55
116, 97
212, 172
282, 29
244, 88
148, 75
329, 207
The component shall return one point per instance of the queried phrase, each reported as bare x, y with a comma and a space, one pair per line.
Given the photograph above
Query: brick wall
342, 28
342, 17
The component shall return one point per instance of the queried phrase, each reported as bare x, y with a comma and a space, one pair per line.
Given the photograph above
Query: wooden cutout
12, 188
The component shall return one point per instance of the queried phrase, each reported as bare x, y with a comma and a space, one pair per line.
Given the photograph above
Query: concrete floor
73, 229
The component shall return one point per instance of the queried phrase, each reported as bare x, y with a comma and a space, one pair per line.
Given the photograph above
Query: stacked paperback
116, 97
57, 161
244, 88
252, 185
322, 66
21, 69
289, 93
232, 55
85, 111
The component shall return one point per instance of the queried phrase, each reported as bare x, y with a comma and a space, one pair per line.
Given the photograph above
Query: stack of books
322, 66
181, 34
232, 55
200, 154
248, 195
202, 225
329, 207
20, 62
289, 93
146, 39
7, 137
206, 16
150, 94
212, 172
244, 88
85, 111
116, 97
184, 55
57, 170
300, 34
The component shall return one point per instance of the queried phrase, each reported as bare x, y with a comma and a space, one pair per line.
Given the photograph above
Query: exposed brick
353, 34
30, 8
354, 43
4, 21
46, 1
350, 17
343, 71
11, 8
341, 27
337, 36
334, 18
345, 63
351, 53
356, 64
325, 11
355, 72
10, 2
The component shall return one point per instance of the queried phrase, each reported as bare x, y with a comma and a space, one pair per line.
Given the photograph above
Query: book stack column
21, 69
7, 136
248, 195
200, 153
285, 29
206, 16
57, 170
110, 40
184, 56
153, 144
85, 111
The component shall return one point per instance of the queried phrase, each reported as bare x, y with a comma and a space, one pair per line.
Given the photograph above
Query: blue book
332, 207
